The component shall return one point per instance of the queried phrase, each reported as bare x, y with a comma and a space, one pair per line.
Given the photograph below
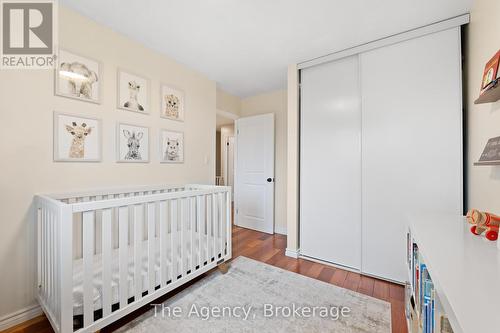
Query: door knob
270, 180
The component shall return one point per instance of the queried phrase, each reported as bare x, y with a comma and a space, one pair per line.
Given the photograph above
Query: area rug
256, 297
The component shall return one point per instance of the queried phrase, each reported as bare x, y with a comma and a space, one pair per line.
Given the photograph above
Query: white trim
279, 229
227, 114
393, 39
327, 263
349, 269
292, 253
20, 316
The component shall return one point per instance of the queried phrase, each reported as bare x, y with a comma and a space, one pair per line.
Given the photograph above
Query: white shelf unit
464, 268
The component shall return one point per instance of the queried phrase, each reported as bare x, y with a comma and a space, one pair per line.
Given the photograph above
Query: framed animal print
78, 77
132, 143
76, 138
171, 146
133, 92
172, 103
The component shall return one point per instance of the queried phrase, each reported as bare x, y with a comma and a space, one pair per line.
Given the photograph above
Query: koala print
172, 150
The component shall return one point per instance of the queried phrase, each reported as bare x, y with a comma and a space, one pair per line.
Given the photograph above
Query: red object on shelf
490, 71
482, 222
492, 235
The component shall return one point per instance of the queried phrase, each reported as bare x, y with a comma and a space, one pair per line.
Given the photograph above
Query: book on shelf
421, 296
490, 72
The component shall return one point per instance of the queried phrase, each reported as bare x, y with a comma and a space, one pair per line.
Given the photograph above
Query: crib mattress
115, 273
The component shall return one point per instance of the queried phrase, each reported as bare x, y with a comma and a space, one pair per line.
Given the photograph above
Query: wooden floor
271, 250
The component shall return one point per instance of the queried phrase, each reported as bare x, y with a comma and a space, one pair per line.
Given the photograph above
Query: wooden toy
483, 221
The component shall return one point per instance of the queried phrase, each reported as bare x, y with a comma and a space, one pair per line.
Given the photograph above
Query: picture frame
172, 103
78, 77
76, 138
171, 146
132, 143
133, 92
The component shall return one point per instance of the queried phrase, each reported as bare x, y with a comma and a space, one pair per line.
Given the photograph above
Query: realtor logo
28, 34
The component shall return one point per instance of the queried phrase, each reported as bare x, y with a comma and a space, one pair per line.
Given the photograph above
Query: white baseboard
20, 316
292, 253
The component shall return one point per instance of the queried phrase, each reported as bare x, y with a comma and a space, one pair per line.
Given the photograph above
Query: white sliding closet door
330, 170
412, 142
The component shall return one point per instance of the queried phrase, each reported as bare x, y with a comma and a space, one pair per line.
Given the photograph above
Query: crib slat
138, 228
151, 246
39, 248
192, 216
198, 227
173, 238
52, 257
182, 218
98, 228
163, 243
106, 261
228, 222
52, 243
88, 271
123, 252
57, 277
209, 227
216, 224
221, 224
44, 252
49, 258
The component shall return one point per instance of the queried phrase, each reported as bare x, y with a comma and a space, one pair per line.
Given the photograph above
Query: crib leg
223, 267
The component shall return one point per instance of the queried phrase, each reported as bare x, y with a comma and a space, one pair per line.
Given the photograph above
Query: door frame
235, 169
225, 153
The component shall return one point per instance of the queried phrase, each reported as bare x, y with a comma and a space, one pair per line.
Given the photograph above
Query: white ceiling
246, 45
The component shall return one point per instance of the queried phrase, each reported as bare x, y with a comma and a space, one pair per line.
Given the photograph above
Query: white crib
103, 254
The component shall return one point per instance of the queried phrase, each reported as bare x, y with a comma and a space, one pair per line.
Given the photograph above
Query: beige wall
274, 102
228, 103
483, 38
27, 103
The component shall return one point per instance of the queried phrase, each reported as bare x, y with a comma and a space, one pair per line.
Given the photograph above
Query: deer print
172, 151
172, 106
79, 133
132, 103
133, 144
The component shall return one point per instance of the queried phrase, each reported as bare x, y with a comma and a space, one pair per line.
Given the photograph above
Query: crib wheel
492, 235
473, 230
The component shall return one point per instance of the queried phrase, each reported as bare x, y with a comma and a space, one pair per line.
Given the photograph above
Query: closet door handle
270, 180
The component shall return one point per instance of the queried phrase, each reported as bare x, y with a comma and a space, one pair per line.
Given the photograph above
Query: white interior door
254, 173
330, 163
